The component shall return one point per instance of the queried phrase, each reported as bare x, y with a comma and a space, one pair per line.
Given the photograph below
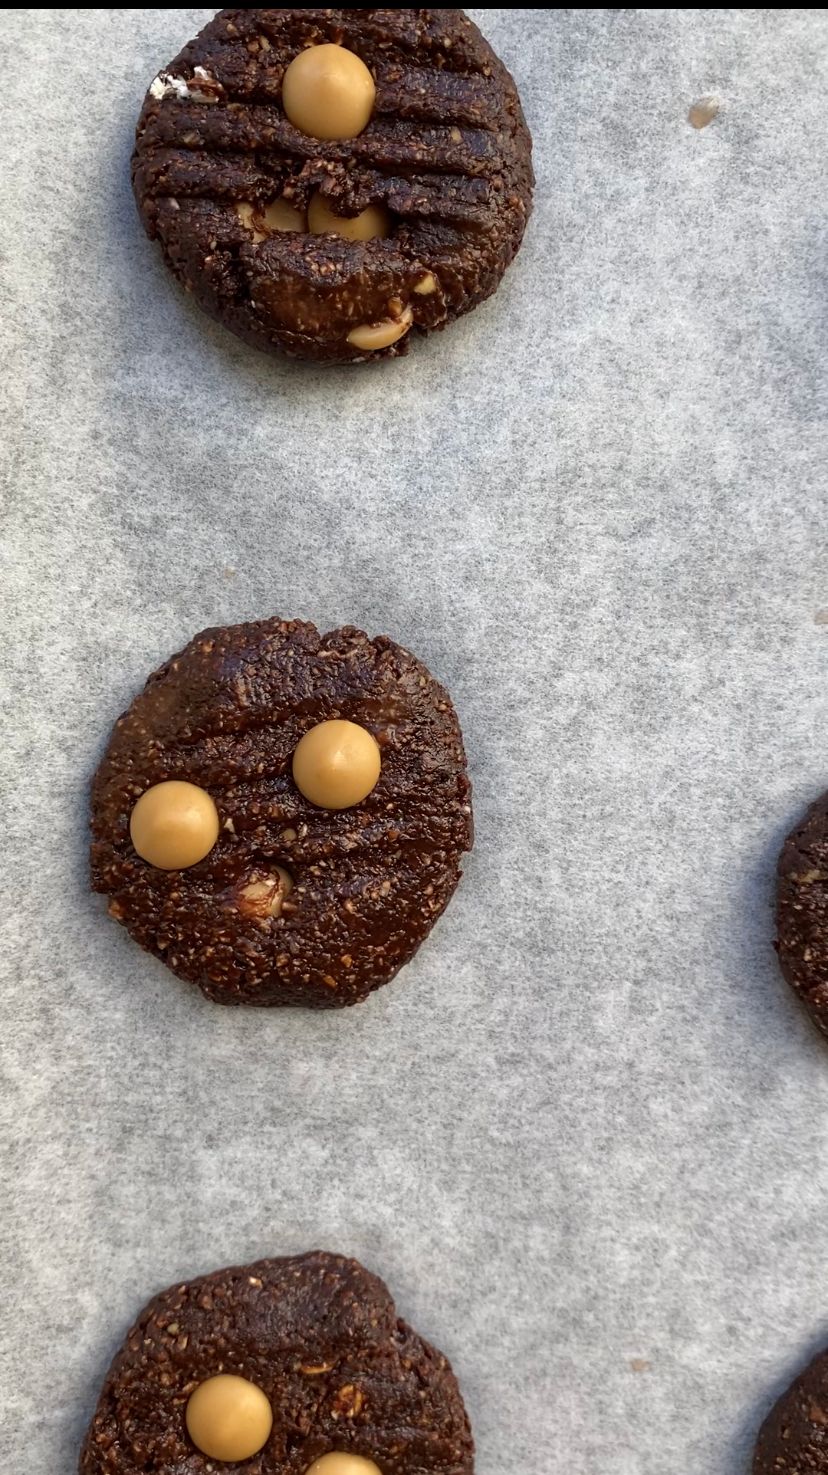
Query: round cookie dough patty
320, 1337
794, 1437
802, 911
227, 714
446, 152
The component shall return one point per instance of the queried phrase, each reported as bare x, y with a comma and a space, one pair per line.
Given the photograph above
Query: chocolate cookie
280, 815
287, 1367
325, 181
794, 1437
802, 911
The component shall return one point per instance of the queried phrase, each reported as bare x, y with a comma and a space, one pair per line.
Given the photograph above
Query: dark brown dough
369, 882
802, 911
320, 1336
447, 151
794, 1437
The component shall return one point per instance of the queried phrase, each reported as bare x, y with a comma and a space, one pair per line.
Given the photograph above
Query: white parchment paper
584, 1135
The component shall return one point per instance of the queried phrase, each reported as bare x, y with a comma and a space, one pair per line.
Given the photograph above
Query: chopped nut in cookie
373, 336
263, 897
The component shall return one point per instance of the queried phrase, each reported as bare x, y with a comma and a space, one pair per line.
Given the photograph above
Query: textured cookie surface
369, 882
802, 911
447, 152
320, 1336
794, 1437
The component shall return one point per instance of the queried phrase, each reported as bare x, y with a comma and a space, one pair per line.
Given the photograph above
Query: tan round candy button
327, 92
336, 764
370, 225
281, 215
262, 221
229, 1418
339, 1463
174, 825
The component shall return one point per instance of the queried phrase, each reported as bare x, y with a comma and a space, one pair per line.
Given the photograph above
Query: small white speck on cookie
165, 86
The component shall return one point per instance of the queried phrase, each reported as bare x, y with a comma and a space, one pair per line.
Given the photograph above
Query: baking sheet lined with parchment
583, 1136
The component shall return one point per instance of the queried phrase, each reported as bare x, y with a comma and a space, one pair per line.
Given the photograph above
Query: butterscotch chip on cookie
802, 911
296, 1366
328, 183
281, 815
